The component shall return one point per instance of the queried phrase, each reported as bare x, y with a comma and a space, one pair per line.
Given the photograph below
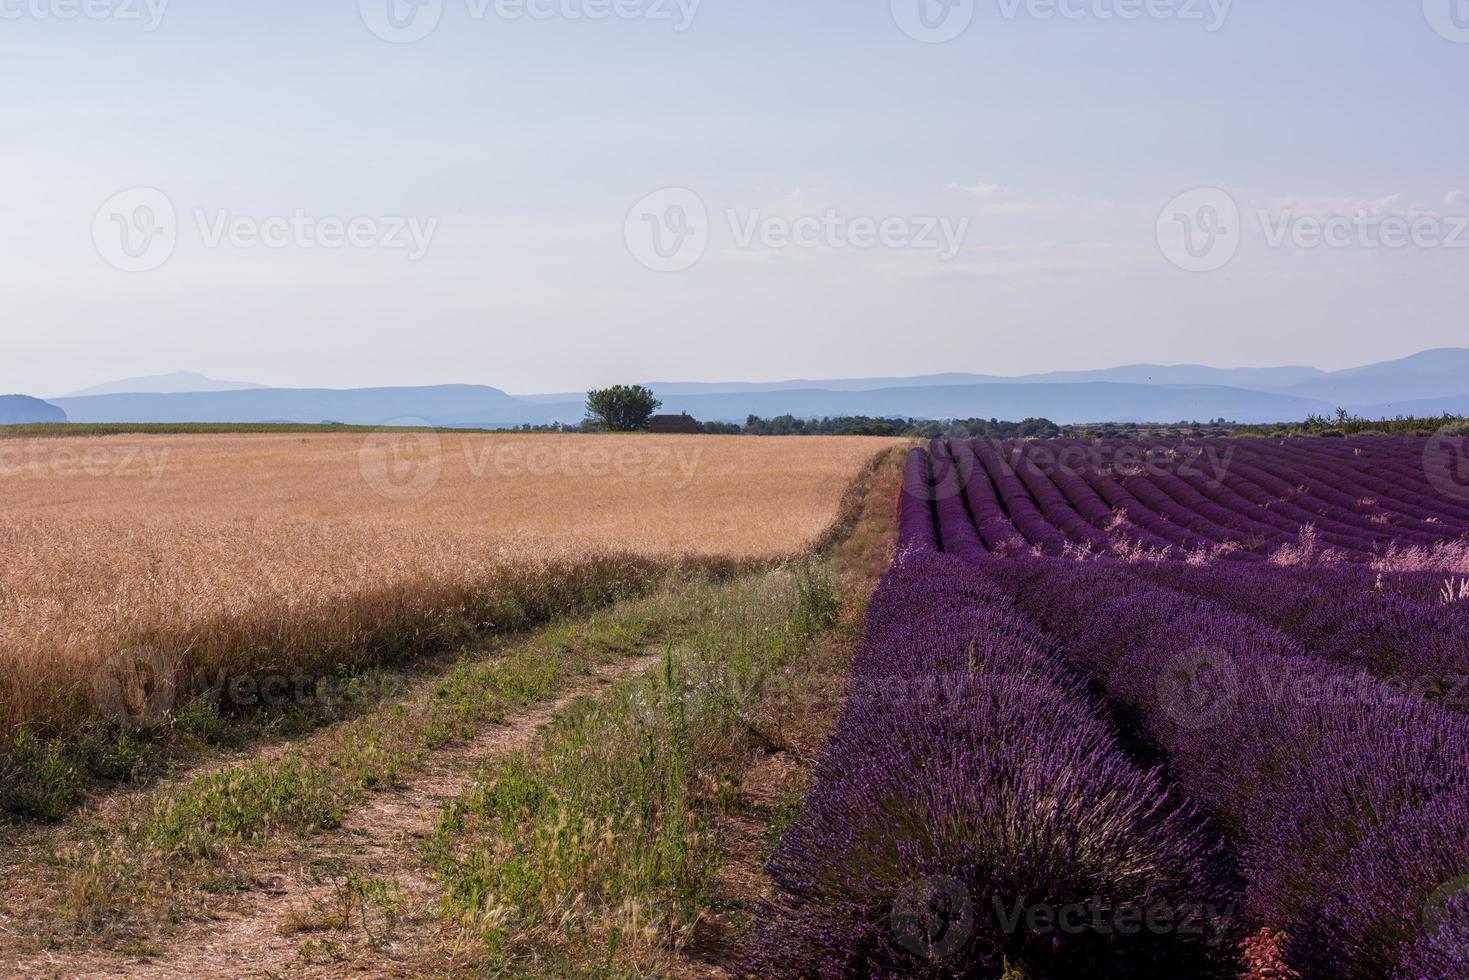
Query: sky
549, 195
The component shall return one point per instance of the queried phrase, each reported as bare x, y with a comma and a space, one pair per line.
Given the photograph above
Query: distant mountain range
447, 405
1142, 374
163, 383
24, 410
1424, 384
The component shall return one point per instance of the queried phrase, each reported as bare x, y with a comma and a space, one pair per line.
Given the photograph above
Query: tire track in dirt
299, 895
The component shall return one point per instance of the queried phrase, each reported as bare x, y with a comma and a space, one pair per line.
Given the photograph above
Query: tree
621, 408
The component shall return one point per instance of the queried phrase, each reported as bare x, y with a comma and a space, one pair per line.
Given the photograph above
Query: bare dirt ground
304, 917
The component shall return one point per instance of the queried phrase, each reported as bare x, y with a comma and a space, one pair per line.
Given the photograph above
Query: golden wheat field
263, 552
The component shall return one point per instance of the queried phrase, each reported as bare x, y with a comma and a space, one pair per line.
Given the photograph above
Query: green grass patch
46, 772
127, 857
601, 841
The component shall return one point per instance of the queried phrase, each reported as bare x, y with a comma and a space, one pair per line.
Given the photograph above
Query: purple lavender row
1082, 496
985, 507
1335, 613
916, 528
1348, 803
1358, 586
1419, 586
957, 532
1249, 498
1213, 515
1265, 509
973, 814
1243, 504
1251, 479
1141, 525
1368, 529
1242, 519
1016, 500
1390, 469
1272, 502
1207, 522
1405, 488
1374, 471
1058, 510
1345, 488
1162, 503
1421, 648
1401, 468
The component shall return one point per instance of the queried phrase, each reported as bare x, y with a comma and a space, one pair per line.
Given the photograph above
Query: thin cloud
1388, 206
980, 190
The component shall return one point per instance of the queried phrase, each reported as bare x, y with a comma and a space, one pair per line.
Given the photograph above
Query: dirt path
309, 915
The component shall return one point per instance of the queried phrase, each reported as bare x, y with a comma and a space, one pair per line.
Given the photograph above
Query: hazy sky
489, 203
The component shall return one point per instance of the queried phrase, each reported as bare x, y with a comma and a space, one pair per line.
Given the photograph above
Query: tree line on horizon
630, 408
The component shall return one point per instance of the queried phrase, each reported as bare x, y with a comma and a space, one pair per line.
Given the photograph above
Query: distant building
669, 424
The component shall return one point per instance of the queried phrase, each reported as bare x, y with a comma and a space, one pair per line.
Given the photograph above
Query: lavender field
1148, 709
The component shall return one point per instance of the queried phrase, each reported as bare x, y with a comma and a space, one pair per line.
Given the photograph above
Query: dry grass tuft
1441, 556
